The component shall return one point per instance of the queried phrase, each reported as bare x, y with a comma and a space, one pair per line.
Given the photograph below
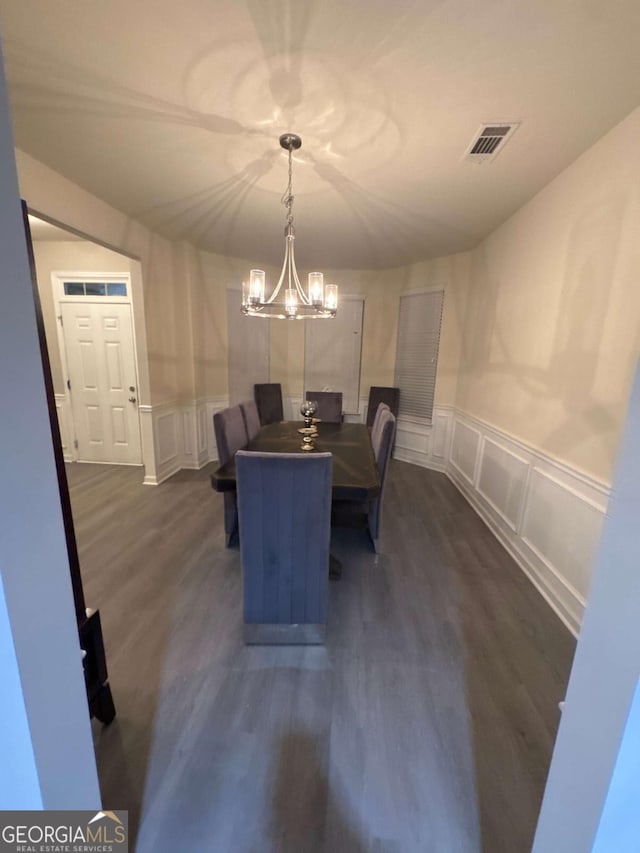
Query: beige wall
74, 255
181, 319
552, 327
378, 335
381, 290
541, 322
160, 330
211, 276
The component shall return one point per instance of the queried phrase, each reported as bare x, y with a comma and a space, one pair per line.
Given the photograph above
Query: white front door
100, 354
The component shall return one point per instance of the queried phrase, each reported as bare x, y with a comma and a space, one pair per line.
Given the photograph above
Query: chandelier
319, 302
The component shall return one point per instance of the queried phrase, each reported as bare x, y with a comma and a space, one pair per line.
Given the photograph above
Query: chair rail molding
547, 514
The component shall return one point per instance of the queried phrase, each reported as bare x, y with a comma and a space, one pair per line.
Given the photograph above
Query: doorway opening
88, 297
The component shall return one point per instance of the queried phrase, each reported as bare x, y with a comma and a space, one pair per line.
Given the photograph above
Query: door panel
89, 370
119, 425
101, 365
95, 432
115, 381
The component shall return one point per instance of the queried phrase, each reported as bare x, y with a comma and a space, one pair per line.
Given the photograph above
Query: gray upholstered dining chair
368, 513
329, 405
377, 422
382, 394
268, 397
231, 435
284, 501
251, 418
382, 449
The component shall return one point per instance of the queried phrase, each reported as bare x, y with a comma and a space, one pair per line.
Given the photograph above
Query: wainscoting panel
195, 441
547, 515
202, 433
465, 443
167, 426
562, 527
502, 480
413, 442
188, 434
183, 434
441, 434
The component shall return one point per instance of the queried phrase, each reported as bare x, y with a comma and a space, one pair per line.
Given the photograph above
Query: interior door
332, 353
101, 366
249, 344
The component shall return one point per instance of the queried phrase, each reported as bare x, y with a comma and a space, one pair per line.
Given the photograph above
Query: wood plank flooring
425, 725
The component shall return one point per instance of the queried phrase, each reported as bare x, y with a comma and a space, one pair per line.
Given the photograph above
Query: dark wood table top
355, 473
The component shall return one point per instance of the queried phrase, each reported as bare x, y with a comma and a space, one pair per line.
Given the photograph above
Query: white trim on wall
546, 514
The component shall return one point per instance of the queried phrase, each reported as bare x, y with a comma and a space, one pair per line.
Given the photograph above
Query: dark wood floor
425, 724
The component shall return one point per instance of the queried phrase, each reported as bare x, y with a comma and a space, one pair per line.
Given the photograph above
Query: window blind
417, 352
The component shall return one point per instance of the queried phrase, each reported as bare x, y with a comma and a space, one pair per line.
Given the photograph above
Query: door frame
58, 278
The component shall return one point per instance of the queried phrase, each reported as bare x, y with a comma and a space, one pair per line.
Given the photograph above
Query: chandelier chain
287, 198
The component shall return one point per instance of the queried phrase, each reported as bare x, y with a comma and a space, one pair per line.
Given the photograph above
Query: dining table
355, 473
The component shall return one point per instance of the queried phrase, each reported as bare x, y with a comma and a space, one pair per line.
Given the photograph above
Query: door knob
132, 399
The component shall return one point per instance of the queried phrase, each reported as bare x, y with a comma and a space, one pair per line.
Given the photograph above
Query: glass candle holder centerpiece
308, 410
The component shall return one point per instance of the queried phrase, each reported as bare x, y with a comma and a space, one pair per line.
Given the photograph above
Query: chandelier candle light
320, 302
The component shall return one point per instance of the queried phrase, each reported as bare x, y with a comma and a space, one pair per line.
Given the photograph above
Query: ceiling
171, 112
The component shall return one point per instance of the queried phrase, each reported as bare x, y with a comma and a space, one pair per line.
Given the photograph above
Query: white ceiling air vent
489, 141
